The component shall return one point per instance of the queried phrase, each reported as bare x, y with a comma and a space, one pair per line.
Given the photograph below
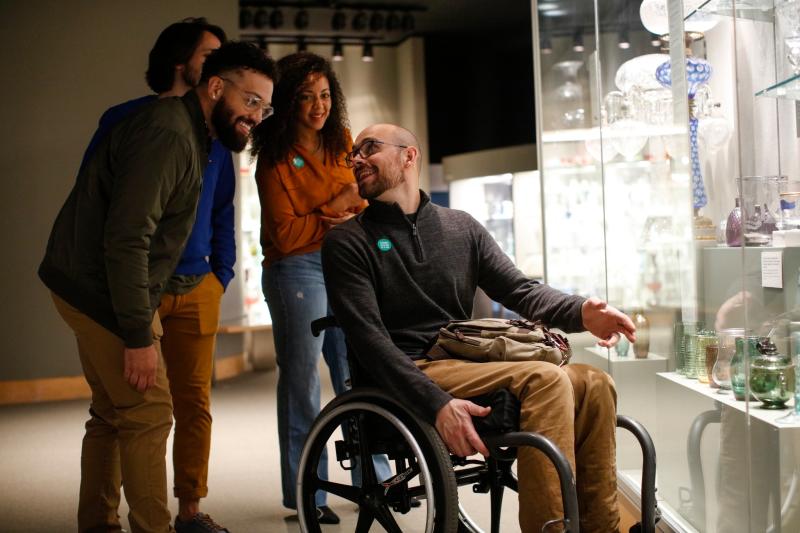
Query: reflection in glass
569, 95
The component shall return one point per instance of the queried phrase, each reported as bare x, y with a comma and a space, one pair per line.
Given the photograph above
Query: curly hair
273, 138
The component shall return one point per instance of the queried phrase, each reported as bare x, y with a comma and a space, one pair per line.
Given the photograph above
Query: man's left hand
606, 323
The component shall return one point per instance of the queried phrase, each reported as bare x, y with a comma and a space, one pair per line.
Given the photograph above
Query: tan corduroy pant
126, 436
575, 407
190, 323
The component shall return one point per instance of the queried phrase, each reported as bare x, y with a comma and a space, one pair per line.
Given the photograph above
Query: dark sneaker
325, 515
200, 523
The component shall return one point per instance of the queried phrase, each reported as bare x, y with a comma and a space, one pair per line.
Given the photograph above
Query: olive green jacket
120, 234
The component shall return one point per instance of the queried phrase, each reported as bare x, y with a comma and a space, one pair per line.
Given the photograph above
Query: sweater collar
192, 103
385, 212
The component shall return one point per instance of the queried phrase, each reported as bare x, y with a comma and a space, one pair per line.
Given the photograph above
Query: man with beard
190, 306
112, 251
405, 267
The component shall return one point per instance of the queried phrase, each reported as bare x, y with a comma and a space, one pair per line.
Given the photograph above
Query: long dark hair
274, 137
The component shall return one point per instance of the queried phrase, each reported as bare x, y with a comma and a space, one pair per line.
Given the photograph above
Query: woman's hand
347, 199
333, 221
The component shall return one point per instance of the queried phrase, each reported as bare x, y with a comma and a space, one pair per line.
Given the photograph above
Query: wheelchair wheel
421, 469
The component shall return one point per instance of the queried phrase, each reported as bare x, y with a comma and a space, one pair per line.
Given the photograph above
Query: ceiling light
366, 55
655, 40
338, 20
392, 22
376, 21
577, 41
624, 41
359, 22
275, 19
338, 51
545, 45
245, 18
408, 22
301, 19
261, 18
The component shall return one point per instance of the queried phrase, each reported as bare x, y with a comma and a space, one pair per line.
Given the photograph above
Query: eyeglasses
251, 101
366, 149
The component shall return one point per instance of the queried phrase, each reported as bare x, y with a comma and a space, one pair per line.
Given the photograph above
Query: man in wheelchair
405, 267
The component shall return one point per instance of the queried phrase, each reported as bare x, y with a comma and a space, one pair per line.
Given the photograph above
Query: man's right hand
140, 367
454, 424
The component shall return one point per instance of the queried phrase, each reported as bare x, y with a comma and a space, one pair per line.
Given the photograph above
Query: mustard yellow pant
126, 436
575, 407
190, 324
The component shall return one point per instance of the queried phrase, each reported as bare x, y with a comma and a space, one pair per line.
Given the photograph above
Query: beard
190, 78
224, 123
380, 183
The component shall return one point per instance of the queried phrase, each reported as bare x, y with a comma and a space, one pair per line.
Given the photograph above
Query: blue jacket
212, 244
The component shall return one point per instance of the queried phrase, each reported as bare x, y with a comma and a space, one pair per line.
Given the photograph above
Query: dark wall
480, 90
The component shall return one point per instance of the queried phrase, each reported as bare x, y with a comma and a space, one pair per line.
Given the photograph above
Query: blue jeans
295, 292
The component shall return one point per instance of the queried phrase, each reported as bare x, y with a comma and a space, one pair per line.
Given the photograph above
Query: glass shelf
760, 10
788, 89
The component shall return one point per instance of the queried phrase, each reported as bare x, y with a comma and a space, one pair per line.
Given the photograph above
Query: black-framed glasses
251, 101
366, 149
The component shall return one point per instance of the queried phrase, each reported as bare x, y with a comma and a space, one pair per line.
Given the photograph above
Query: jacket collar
192, 103
392, 213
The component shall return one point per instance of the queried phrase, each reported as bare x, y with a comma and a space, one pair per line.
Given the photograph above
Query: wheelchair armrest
320, 324
504, 417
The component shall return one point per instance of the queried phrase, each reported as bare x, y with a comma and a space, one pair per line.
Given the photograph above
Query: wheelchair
421, 494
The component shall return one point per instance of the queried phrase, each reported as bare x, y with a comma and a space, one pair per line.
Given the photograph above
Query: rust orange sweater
293, 195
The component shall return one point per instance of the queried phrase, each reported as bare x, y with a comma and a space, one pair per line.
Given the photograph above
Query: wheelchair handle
321, 324
650, 512
569, 495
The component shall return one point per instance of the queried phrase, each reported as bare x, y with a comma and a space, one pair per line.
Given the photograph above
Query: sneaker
200, 523
325, 515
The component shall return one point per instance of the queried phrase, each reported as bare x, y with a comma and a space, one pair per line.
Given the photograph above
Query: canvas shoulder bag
497, 339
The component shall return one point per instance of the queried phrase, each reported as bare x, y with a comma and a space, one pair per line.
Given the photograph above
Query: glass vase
642, 345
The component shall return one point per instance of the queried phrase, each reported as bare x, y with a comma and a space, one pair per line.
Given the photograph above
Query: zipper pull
414, 230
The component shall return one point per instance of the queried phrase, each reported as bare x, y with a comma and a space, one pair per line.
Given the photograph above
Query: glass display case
500, 188
670, 164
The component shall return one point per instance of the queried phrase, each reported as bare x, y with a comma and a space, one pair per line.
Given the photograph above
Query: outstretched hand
606, 323
454, 424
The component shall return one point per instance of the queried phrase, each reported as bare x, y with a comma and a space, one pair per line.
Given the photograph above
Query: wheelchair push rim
374, 506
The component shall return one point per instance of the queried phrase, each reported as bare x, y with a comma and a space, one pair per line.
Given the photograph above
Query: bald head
388, 164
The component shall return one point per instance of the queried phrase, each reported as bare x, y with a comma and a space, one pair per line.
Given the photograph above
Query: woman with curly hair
305, 188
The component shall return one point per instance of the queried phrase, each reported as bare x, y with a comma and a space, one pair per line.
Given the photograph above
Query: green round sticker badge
298, 162
384, 244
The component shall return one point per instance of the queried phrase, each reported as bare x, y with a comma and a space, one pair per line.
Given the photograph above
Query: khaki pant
575, 407
126, 436
190, 323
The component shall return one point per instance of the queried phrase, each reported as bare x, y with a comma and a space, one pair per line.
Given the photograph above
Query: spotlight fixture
366, 55
655, 40
545, 45
624, 40
359, 22
338, 20
261, 19
245, 18
376, 21
408, 22
577, 41
301, 44
301, 19
338, 51
276, 19
392, 22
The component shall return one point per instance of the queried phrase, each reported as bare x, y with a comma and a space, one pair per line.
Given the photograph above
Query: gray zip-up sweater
393, 283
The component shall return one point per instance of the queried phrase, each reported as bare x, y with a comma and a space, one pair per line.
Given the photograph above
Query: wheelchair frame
491, 475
